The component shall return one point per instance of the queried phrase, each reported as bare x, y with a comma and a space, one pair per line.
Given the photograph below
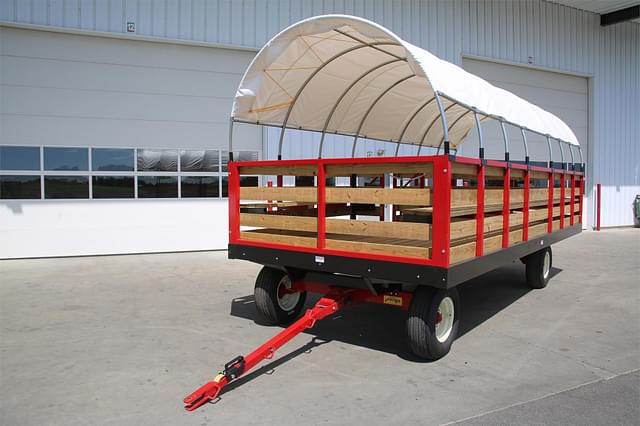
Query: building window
112, 160
113, 187
66, 187
200, 161
20, 187
35, 172
157, 187
19, 158
66, 159
200, 186
157, 160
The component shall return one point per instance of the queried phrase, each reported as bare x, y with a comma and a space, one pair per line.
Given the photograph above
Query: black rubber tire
534, 267
421, 322
266, 297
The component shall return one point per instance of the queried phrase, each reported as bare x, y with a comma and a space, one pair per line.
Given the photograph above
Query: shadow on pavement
381, 327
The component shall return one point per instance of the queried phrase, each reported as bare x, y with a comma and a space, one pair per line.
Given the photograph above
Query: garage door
156, 116
564, 95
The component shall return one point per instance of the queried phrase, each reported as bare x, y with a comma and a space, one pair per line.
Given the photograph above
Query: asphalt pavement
122, 339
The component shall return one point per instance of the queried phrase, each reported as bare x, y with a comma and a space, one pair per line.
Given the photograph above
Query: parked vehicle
428, 223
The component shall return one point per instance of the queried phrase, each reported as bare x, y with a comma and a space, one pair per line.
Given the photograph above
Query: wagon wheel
275, 301
432, 322
538, 268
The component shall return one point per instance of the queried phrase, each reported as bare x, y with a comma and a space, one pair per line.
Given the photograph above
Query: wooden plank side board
300, 194
537, 230
468, 250
291, 223
535, 174
378, 248
279, 238
378, 169
291, 170
463, 197
406, 196
471, 170
388, 246
408, 230
467, 228
541, 228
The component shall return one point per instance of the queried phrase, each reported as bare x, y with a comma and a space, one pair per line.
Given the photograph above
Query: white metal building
114, 114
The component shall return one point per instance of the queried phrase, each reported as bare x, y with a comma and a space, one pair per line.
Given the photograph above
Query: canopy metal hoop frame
424, 135
366, 115
572, 158
352, 37
480, 138
443, 116
438, 96
526, 145
231, 120
313, 74
454, 123
581, 159
495, 117
347, 90
406, 126
506, 140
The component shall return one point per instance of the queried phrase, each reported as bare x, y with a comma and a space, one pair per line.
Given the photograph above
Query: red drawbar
333, 300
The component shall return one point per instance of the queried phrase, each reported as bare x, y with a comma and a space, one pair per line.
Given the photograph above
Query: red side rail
441, 201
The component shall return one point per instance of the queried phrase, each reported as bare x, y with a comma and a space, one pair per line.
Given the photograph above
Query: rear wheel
432, 322
538, 268
275, 301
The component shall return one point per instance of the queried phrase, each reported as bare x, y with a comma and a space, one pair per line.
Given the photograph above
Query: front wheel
432, 322
275, 301
538, 268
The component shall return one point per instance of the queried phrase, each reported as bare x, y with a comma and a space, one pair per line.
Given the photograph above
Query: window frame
135, 173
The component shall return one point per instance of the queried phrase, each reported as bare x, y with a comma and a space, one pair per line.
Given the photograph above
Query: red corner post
506, 188
322, 205
550, 207
234, 203
581, 190
480, 211
381, 205
563, 182
572, 207
525, 206
599, 186
441, 210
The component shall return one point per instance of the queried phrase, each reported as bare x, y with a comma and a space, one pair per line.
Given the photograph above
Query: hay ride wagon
404, 229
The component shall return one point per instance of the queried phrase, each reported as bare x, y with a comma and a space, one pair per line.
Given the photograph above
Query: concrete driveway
122, 339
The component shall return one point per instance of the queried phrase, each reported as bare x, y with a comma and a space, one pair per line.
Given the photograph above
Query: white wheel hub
287, 300
444, 319
546, 265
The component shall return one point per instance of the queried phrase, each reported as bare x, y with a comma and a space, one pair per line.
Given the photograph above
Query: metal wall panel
527, 32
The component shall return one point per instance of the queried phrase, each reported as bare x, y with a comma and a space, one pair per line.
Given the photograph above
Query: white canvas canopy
347, 75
